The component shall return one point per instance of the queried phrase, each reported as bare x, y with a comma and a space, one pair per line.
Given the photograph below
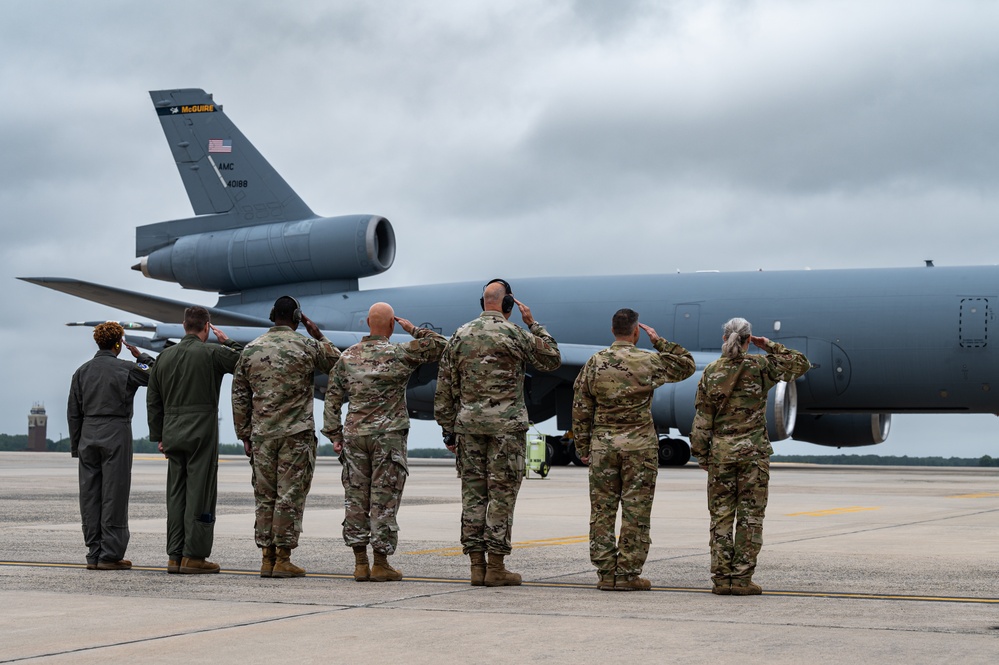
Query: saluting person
480, 407
100, 435
729, 440
372, 375
614, 432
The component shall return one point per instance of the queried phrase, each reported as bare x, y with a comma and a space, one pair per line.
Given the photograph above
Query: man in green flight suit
182, 404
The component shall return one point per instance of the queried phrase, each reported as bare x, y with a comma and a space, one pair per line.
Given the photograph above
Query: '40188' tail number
236, 183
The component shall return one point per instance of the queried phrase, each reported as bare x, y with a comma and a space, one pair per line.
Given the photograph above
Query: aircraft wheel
673, 452
558, 455
549, 453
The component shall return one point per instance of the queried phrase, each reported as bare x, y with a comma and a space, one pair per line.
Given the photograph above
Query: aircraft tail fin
222, 171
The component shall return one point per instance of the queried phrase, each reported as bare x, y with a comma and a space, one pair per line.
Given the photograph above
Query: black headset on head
296, 316
508, 302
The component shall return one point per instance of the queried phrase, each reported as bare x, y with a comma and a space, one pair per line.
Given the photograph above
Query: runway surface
869, 565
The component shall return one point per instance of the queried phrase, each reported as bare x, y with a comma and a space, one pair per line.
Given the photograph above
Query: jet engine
843, 430
316, 249
673, 407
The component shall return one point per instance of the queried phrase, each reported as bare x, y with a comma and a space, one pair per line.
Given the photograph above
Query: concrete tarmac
860, 565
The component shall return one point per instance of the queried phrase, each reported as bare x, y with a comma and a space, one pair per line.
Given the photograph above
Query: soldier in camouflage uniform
480, 407
729, 440
272, 395
614, 432
373, 375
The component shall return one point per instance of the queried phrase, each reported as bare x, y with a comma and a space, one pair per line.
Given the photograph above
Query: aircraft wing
154, 307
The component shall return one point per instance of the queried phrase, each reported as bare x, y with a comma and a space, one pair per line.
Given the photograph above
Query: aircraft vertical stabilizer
226, 178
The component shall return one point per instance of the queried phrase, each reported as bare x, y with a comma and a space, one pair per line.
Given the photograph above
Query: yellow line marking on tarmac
161, 458
978, 495
834, 511
557, 585
524, 544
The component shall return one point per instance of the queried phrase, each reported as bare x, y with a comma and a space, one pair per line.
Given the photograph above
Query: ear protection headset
508, 302
296, 316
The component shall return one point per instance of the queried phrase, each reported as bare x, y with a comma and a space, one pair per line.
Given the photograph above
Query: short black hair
624, 322
195, 319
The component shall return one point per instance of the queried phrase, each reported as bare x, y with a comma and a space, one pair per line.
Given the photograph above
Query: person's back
188, 376
488, 357
279, 368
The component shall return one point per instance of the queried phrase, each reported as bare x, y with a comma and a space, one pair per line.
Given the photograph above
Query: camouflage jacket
480, 385
612, 396
372, 375
732, 403
273, 385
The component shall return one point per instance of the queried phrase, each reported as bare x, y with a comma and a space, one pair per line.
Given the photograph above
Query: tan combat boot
283, 567
267, 558
631, 583
190, 565
381, 571
721, 586
497, 574
478, 568
745, 587
362, 572
606, 581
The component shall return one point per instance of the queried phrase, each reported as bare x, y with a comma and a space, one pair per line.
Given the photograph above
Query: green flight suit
182, 404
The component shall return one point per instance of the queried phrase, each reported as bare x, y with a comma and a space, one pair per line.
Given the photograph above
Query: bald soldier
100, 435
273, 390
372, 375
480, 407
614, 432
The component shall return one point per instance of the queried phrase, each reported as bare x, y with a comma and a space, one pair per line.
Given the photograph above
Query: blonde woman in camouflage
729, 440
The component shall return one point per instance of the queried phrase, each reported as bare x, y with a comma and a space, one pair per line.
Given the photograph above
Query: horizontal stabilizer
153, 307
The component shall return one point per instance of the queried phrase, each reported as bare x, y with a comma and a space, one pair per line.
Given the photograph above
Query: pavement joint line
98, 647
836, 595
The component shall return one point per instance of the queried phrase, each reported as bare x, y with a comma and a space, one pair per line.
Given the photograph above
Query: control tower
37, 421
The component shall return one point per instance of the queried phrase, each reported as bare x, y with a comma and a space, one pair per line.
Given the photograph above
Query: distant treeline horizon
19, 443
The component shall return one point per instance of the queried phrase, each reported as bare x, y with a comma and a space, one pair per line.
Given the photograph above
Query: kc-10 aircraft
881, 341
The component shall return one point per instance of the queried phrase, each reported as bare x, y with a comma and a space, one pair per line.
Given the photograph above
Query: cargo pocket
402, 470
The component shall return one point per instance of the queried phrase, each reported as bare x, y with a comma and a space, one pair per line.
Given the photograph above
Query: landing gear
673, 452
558, 450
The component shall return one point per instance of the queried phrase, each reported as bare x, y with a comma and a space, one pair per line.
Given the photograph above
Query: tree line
143, 446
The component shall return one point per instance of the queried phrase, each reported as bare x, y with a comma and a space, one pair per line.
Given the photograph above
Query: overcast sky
559, 137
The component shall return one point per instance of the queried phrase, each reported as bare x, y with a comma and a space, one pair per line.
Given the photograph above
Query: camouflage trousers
737, 497
374, 475
282, 477
625, 479
491, 468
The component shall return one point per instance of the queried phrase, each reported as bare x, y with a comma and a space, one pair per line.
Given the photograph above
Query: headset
296, 316
508, 301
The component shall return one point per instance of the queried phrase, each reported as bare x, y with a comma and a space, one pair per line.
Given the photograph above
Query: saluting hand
525, 312
221, 336
134, 350
312, 328
650, 331
405, 324
760, 342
